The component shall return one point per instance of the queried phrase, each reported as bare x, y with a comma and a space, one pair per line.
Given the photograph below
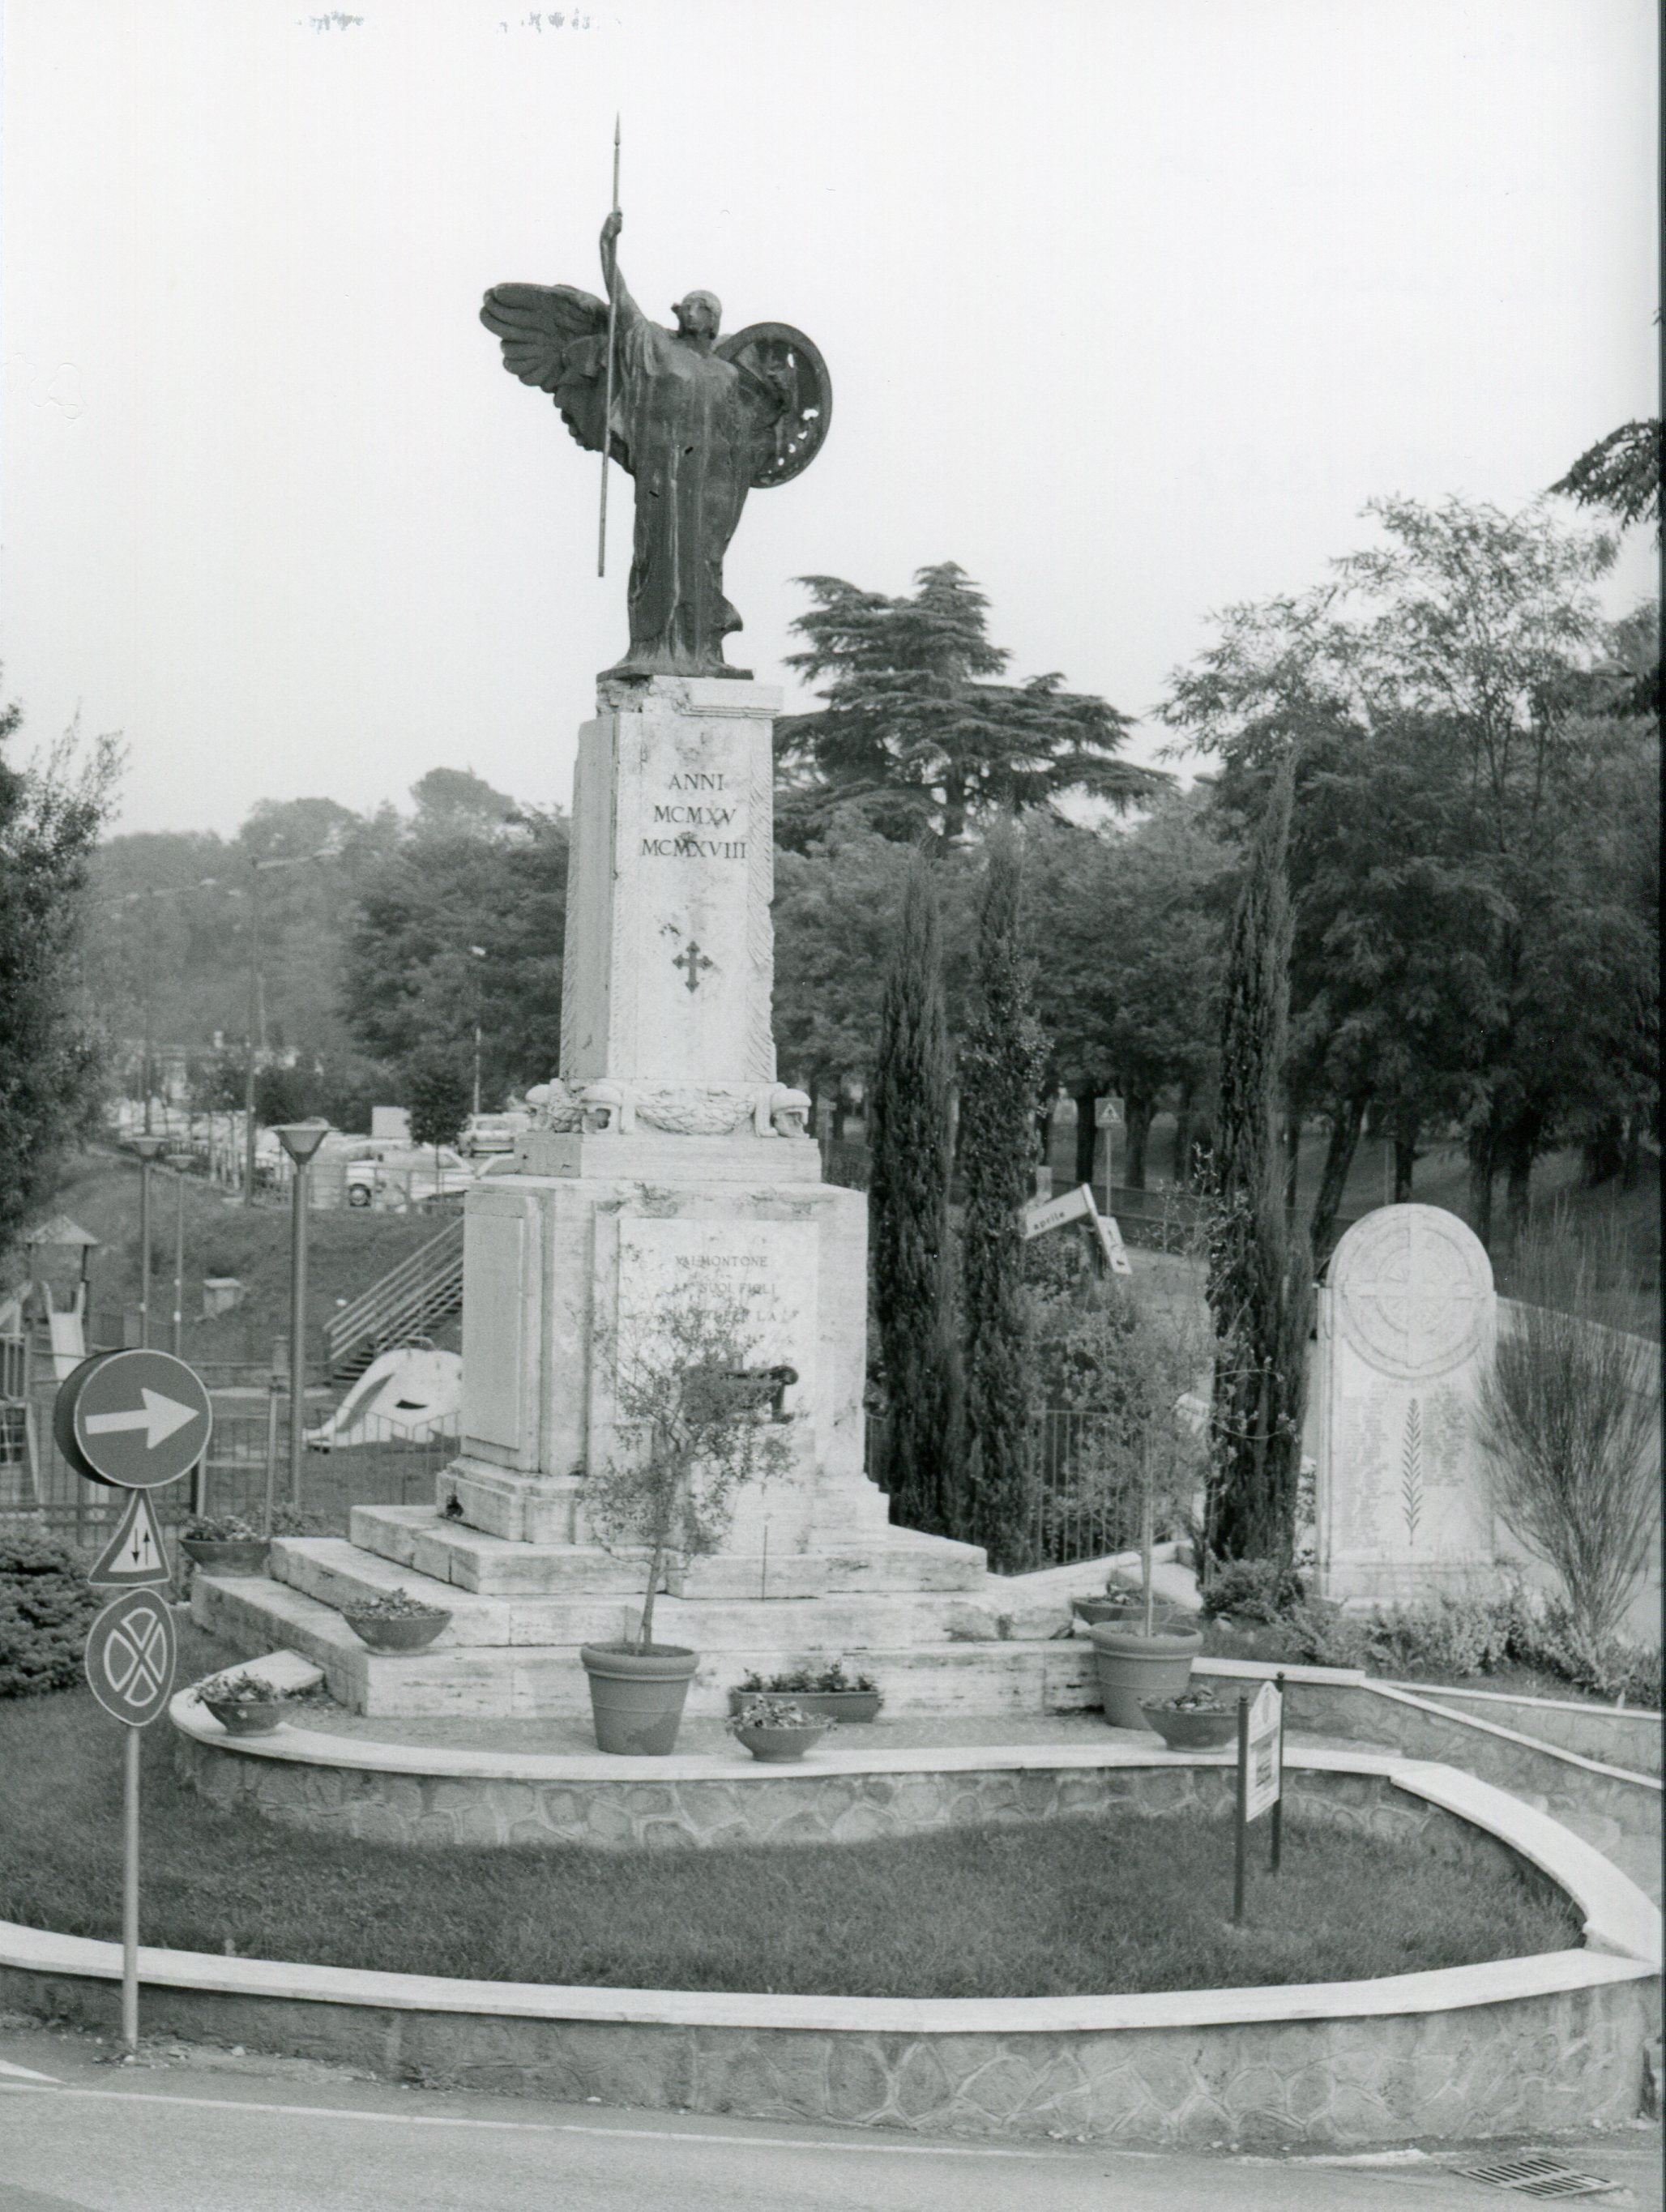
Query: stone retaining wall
806, 1807
1618, 1813
1568, 2058
1633, 1740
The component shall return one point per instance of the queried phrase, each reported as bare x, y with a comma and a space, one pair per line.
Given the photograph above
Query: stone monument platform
666, 1166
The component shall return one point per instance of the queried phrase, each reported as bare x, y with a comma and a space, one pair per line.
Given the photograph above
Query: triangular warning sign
135, 1555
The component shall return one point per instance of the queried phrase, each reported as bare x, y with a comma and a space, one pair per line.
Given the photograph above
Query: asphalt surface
190, 2128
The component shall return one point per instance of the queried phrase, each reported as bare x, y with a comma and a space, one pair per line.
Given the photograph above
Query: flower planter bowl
776, 1745
1204, 1728
406, 1631
638, 1697
1134, 1668
843, 1705
226, 1555
244, 1717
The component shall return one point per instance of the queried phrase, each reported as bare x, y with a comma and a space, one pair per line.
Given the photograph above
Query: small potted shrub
776, 1729
247, 1704
223, 1544
1195, 1721
694, 1425
829, 1691
396, 1621
1146, 1651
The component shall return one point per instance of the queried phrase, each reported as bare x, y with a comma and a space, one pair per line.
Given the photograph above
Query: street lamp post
300, 1140
147, 1149
178, 1162
476, 952
256, 1025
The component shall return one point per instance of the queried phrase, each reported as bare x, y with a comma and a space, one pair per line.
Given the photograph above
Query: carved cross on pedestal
694, 960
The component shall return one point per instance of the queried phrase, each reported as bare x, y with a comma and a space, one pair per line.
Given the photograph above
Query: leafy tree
915, 732
1127, 925
413, 977
1621, 473
1439, 694
1260, 1288
1000, 1064
908, 1211
438, 1089
51, 812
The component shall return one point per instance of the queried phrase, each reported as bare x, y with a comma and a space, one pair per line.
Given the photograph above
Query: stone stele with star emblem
1406, 1325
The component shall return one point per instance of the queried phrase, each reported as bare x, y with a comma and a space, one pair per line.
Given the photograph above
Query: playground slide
68, 1342
410, 1392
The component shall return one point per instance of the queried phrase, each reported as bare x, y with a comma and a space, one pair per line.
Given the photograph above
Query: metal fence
246, 1473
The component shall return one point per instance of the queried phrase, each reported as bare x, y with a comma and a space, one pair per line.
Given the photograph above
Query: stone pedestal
1406, 1325
668, 1162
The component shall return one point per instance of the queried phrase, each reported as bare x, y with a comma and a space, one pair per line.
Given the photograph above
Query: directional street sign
132, 1649
1264, 1782
132, 1419
136, 1555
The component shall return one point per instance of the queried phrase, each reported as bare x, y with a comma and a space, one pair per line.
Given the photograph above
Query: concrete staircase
920, 1614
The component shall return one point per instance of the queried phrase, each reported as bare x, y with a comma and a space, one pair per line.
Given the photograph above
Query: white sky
1129, 305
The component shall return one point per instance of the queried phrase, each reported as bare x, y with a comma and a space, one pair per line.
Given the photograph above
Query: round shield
131, 1650
785, 363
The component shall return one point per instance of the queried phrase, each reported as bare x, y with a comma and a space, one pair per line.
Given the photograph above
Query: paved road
199, 2131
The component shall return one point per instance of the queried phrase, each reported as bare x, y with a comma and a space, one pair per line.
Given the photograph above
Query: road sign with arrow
136, 1555
132, 1419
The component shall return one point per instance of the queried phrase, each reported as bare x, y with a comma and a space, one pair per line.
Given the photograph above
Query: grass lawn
1075, 1906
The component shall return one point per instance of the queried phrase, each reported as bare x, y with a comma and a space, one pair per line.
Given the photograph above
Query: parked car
492, 1133
399, 1175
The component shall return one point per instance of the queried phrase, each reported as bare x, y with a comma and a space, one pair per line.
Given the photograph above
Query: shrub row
46, 1605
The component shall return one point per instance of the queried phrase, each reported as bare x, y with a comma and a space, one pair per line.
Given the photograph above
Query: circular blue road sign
131, 1652
132, 1419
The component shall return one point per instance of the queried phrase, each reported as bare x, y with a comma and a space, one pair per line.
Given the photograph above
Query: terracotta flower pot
844, 1705
1133, 1666
1203, 1728
245, 1717
638, 1697
234, 1555
409, 1631
776, 1745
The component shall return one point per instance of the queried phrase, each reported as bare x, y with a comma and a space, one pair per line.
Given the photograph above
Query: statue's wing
556, 338
789, 395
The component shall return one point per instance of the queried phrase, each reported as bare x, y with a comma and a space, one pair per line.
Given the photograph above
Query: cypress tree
1001, 1069
1260, 1285
909, 1210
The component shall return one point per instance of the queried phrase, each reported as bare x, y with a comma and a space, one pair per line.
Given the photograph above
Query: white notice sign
1264, 1783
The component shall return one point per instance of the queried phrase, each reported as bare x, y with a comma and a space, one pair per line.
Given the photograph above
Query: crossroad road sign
132, 1651
1265, 1780
136, 1555
132, 1419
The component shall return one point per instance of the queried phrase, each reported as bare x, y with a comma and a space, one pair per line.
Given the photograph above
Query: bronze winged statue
698, 420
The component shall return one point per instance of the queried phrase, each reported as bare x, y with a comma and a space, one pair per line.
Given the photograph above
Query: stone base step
468, 1558
257, 1614
338, 1573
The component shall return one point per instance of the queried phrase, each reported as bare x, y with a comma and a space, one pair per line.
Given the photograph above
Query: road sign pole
1242, 1823
130, 1890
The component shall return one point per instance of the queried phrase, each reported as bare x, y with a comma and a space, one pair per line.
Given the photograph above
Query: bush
1449, 1636
1253, 1590
46, 1605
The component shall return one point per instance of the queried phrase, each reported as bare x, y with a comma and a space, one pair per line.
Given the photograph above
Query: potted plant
695, 1422
1195, 1721
827, 1691
395, 1621
1150, 1655
247, 1704
223, 1544
1122, 1604
776, 1729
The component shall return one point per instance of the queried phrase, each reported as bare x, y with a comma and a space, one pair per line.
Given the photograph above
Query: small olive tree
695, 1424
1569, 1417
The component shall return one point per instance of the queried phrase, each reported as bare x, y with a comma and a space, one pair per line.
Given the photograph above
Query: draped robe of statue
688, 422
698, 422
